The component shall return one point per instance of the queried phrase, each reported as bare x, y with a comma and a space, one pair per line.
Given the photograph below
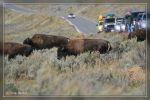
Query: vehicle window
120, 21
135, 14
119, 18
111, 20
139, 16
144, 17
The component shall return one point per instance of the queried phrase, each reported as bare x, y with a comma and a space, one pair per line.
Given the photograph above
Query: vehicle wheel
99, 32
107, 31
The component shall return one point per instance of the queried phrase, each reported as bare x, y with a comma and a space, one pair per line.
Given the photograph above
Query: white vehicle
142, 21
71, 15
109, 24
120, 25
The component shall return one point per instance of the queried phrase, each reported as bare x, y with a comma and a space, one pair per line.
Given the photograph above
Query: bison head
63, 42
27, 50
62, 52
27, 41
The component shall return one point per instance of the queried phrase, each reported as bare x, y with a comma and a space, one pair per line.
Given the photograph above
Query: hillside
19, 26
91, 11
119, 10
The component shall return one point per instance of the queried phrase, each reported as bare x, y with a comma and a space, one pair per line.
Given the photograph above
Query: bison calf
41, 41
139, 33
13, 49
77, 46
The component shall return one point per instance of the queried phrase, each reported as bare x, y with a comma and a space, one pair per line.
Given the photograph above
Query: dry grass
86, 74
92, 74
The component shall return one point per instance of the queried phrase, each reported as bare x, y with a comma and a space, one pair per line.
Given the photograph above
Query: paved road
18, 8
81, 24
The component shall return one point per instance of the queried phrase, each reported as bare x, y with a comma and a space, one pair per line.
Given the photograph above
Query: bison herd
66, 46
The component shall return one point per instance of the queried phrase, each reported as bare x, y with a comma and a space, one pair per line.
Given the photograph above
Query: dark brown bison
77, 46
41, 41
13, 49
139, 33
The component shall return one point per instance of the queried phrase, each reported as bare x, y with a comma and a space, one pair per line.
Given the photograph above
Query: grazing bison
139, 33
41, 41
77, 46
13, 49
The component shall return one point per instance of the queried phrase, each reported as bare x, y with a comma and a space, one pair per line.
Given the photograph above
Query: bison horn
109, 47
68, 40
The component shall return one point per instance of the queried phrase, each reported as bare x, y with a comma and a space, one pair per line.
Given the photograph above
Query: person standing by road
100, 24
129, 22
100, 18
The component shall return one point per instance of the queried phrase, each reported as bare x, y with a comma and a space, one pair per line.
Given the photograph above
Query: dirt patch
136, 73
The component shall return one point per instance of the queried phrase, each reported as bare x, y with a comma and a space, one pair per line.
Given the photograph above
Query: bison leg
105, 48
129, 36
61, 53
28, 51
11, 56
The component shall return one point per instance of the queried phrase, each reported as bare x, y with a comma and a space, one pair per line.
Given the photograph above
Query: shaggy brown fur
139, 33
12, 49
41, 41
77, 46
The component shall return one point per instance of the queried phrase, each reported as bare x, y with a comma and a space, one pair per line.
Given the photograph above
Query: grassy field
119, 72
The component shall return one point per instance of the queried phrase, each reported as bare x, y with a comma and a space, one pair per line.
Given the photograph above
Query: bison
77, 46
12, 49
139, 33
42, 41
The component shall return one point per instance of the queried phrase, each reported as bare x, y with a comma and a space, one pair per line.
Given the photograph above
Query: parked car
71, 15
109, 24
120, 25
142, 22
135, 15
139, 16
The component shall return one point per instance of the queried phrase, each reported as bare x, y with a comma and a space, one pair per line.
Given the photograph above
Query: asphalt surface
18, 8
81, 24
